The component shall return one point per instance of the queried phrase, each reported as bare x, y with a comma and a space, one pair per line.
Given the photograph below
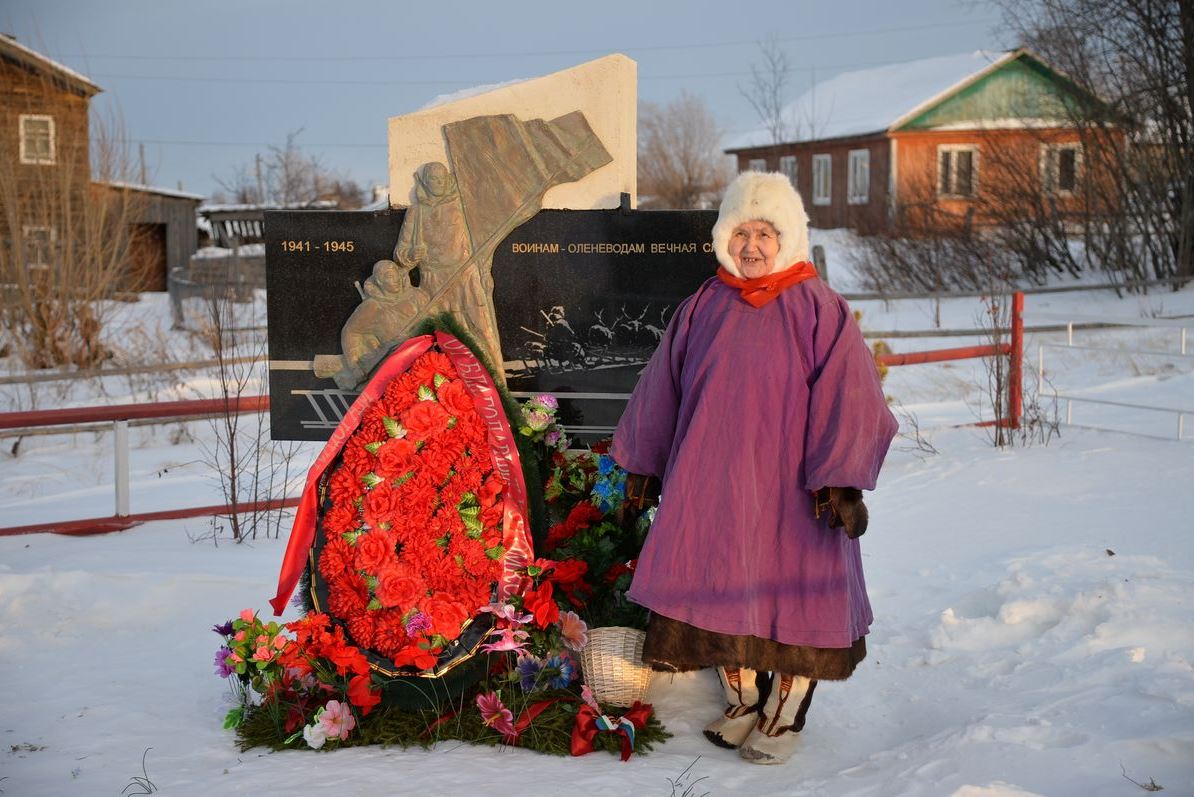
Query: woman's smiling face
753, 246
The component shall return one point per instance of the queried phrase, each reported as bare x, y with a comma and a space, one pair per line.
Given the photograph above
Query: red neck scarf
760, 290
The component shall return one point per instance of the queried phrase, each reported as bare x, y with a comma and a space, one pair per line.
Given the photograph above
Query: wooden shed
164, 234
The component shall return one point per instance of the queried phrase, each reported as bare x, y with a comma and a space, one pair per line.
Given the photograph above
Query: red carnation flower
347, 595
336, 558
361, 627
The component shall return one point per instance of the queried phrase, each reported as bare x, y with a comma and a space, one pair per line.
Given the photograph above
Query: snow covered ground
1033, 605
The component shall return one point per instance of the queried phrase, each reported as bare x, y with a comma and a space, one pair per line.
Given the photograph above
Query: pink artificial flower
263, 654
240, 636
336, 719
248, 615
280, 641
574, 631
495, 714
507, 613
511, 639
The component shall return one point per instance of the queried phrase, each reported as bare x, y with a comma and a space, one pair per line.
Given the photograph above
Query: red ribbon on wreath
590, 722
302, 534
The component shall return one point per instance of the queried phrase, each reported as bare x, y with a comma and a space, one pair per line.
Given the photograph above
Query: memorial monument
512, 210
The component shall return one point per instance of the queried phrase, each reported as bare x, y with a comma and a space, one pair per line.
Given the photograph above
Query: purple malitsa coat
741, 412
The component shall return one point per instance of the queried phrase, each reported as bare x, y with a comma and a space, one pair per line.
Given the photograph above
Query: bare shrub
249, 467
680, 164
65, 232
288, 176
1137, 55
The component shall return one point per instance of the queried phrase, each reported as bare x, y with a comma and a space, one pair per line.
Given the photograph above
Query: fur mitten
846, 509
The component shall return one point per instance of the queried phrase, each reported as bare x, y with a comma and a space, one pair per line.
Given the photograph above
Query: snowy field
1033, 605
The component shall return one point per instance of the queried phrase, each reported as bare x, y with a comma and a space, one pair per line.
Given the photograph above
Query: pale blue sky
207, 84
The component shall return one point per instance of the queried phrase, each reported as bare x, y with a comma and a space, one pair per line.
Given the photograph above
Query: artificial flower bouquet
413, 544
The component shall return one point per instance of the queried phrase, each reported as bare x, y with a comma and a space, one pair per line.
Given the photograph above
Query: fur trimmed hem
676, 646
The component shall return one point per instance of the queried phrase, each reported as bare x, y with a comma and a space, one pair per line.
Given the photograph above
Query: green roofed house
960, 135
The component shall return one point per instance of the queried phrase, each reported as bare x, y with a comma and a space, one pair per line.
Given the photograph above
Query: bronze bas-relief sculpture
500, 169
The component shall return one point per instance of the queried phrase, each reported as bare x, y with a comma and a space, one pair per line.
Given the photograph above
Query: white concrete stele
605, 90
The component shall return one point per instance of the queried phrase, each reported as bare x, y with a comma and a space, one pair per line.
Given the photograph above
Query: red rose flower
455, 398
382, 503
341, 517
425, 419
446, 615
374, 551
398, 586
394, 458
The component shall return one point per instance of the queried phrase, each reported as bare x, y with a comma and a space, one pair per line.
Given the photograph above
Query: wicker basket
613, 666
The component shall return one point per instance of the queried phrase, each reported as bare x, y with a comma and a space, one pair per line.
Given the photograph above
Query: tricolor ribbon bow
590, 722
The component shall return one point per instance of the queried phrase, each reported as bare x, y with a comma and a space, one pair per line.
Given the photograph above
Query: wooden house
46, 181
950, 135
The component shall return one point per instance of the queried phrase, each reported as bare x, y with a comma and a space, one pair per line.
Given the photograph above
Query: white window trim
827, 197
28, 230
1051, 172
26, 156
858, 194
756, 165
790, 168
974, 170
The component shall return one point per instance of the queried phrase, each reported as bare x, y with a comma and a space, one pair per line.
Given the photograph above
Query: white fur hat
768, 196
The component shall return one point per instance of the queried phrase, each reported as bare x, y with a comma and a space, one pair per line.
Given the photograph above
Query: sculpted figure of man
435, 237
390, 305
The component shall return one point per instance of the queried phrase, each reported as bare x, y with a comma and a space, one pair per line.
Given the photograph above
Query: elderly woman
762, 414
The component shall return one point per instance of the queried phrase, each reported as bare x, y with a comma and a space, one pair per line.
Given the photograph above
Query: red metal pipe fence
120, 414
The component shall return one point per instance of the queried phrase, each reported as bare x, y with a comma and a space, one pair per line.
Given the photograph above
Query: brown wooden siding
838, 213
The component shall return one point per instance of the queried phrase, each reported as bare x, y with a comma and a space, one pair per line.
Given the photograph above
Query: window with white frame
757, 165
957, 170
822, 179
787, 165
858, 178
37, 138
1061, 165
39, 246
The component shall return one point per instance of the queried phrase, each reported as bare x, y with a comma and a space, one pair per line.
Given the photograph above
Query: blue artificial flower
605, 465
528, 668
565, 665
